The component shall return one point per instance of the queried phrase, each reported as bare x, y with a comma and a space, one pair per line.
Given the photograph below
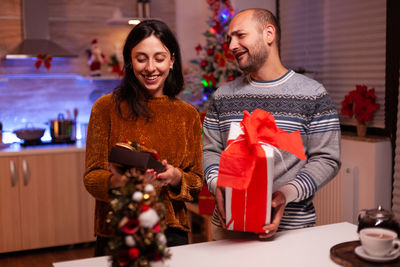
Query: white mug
379, 242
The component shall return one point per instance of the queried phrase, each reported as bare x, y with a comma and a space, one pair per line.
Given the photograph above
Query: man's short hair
264, 17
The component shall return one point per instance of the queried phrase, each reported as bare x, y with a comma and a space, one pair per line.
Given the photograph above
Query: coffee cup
379, 242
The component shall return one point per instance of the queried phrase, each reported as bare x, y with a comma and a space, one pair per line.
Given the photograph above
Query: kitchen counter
16, 149
304, 247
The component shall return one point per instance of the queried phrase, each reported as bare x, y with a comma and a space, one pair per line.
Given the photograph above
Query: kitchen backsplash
30, 95
37, 99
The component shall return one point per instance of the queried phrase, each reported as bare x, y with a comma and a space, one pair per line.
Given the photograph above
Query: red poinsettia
361, 103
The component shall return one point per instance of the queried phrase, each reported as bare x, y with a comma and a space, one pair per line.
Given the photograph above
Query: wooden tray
344, 255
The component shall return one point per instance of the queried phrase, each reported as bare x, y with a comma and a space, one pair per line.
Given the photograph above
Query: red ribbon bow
46, 59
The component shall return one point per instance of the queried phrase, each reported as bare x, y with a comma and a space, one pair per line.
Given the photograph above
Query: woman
144, 108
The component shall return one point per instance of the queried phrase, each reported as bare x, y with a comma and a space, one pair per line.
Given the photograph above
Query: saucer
361, 253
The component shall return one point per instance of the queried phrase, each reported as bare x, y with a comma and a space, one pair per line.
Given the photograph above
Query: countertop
15, 149
304, 247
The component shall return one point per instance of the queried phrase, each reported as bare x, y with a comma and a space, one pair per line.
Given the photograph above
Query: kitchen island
305, 247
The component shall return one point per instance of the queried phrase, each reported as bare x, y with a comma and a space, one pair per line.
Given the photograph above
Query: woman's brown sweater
174, 130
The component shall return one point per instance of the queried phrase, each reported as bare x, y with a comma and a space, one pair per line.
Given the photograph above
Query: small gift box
206, 201
123, 155
246, 169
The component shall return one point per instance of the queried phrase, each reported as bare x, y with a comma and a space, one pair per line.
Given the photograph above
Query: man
295, 101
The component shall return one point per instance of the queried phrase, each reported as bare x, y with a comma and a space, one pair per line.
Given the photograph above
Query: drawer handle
26, 171
14, 173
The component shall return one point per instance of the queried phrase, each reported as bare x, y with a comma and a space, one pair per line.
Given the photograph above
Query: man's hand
220, 204
278, 205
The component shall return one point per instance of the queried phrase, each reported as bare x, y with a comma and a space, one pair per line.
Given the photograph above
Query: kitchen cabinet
43, 201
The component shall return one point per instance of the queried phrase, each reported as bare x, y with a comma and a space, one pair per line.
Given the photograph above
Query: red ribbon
45, 59
243, 167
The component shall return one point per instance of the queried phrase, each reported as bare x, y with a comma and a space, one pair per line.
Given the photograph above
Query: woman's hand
171, 176
118, 178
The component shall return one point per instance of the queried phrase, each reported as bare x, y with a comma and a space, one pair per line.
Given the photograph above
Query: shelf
124, 21
118, 18
102, 77
7, 77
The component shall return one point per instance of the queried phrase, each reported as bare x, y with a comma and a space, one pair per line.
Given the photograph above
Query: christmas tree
216, 64
137, 217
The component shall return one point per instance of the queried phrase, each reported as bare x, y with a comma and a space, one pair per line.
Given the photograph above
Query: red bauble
203, 64
134, 253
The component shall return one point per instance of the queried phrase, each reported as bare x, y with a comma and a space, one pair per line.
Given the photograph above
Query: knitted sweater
297, 103
174, 130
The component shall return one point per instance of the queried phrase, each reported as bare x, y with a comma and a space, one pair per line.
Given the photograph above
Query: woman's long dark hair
130, 89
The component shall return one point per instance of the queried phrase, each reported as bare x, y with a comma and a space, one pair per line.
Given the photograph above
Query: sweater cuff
212, 186
290, 192
176, 192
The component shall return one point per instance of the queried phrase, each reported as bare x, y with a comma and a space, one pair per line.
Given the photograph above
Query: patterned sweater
174, 131
297, 103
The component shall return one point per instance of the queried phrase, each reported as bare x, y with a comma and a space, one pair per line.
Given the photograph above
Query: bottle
146, 8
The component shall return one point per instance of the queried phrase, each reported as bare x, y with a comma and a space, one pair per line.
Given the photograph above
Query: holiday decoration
206, 201
95, 58
193, 91
246, 168
361, 103
138, 218
45, 59
216, 64
115, 65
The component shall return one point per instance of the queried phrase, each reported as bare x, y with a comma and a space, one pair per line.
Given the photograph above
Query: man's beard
255, 60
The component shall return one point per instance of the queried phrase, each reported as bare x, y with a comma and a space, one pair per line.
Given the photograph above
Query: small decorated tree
137, 217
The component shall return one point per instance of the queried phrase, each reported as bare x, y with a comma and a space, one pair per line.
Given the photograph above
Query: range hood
36, 33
